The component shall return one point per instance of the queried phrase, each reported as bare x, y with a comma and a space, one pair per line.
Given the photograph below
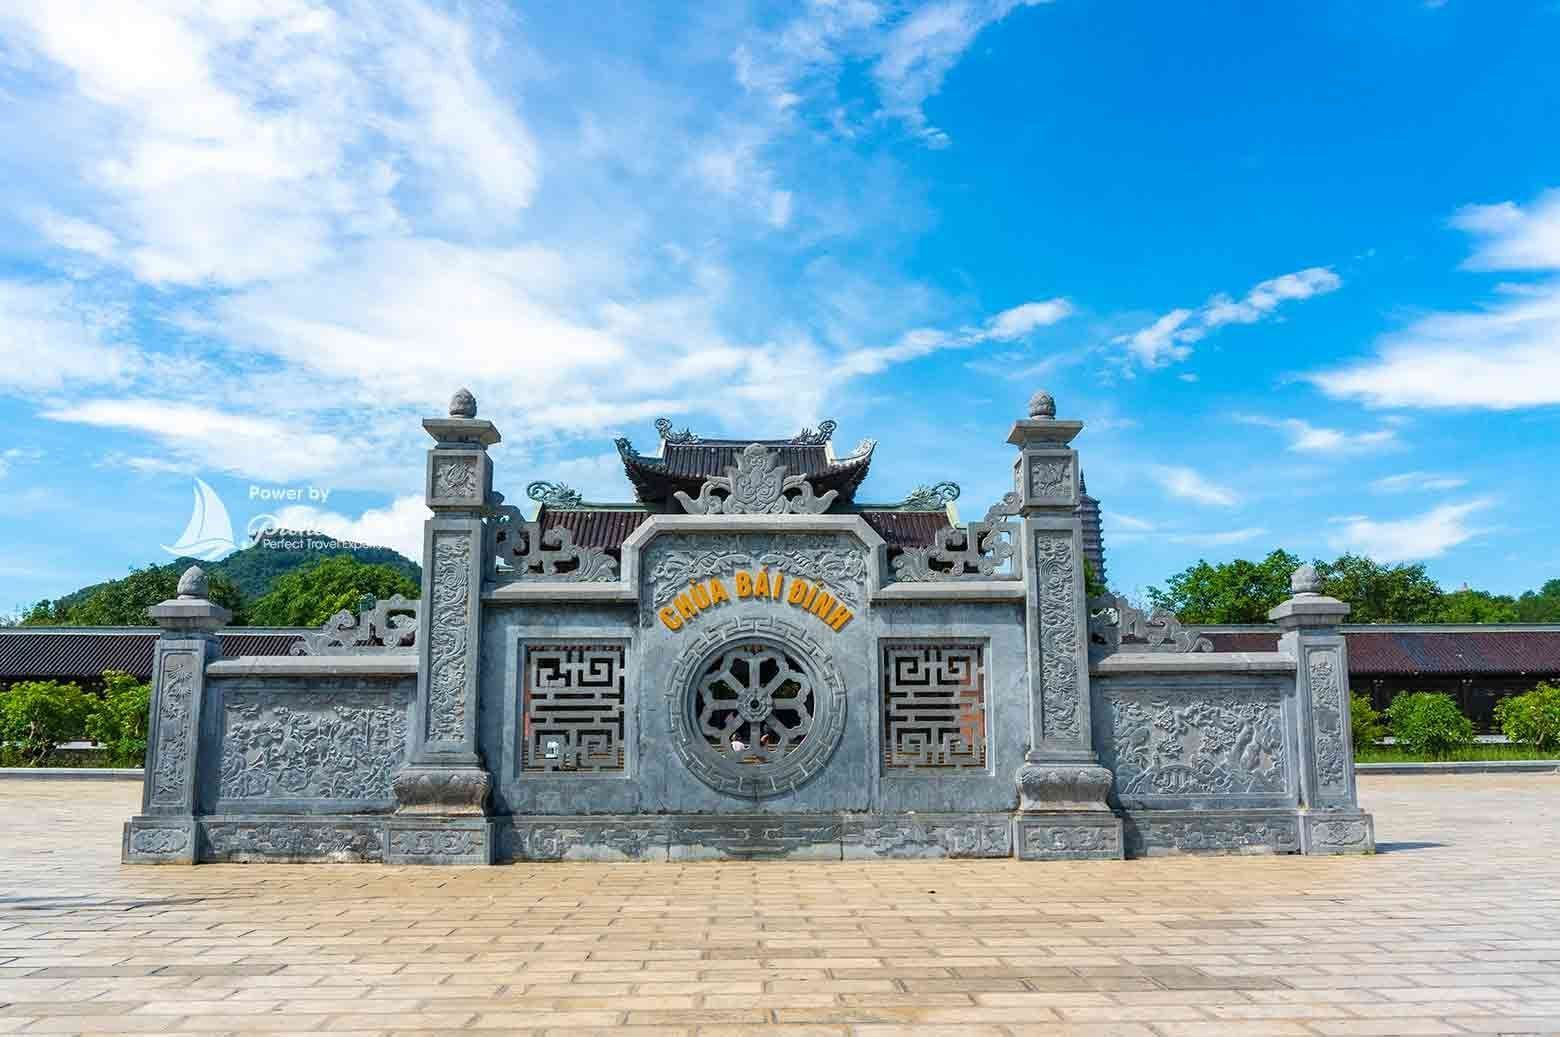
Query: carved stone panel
928, 835
292, 839
1064, 837
1060, 637
1050, 482
457, 479
327, 744
1202, 742
449, 628
1329, 715
755, 836
584, 839
174, 738
1211, 831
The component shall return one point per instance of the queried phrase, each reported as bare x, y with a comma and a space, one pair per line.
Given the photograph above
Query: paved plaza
1454, 927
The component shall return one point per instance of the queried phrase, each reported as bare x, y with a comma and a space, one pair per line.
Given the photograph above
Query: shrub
1364, 723
1426, 723
1533, 718
119, 720
36, 716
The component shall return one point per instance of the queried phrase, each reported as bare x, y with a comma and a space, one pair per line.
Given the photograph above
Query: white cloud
1502, 356
1127, 529
1305, 437
1189, 484
1170, 337
264, 448
1021, 320
1422, 536
51, 335
1007, 326
1410, 482
398, 526
1117, 520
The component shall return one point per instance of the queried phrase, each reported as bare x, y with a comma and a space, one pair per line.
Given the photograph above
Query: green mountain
244, 575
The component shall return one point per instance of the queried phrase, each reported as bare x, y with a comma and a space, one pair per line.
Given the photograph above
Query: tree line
1243, 591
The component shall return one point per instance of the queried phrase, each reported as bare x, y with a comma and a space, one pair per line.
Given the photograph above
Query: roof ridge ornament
756, 485
529, 553
556, 495
663, 426
824, 433
391, 624
935, 497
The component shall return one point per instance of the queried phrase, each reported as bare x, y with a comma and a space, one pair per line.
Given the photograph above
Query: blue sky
1297, 266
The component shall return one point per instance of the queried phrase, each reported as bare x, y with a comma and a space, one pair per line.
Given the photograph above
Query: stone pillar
165, 831
442, 791
1330, 818
1061, 785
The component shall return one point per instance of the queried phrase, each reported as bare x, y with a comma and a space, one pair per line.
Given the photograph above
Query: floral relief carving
1050, 478
1178, 745
455, 478
1341, 833
1212, 833
159, 840
311, 745
292, 840
1059, 636
1327, 718
448, 626
756, 485
675, 561
170, 775
1070, 839
452, 842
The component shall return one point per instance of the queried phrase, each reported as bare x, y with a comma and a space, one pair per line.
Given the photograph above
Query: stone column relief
1062, 788
441, 793
1330, 818
165, 832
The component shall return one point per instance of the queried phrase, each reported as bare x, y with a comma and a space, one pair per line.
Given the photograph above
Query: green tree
118, 721
123, 602
1379, 593
309, 596
1364, 723
1532, 719
1540, 606
1231, 592
36, 716
1429, 724
1471, 606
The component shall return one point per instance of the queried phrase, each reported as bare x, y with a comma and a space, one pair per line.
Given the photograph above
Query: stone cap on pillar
462, 427
1308, 607
1041, 427
190, 611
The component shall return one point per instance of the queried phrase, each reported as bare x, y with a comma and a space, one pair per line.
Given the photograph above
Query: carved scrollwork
530, 554
176, 695
434, 790
975, 551
390, 624
677, 561
1327, 717
447, 628
455, 478
935, 497
554, 494
1056, 573
1112, 619
756, 485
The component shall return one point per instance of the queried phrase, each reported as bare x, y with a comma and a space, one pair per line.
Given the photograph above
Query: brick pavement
1453, 928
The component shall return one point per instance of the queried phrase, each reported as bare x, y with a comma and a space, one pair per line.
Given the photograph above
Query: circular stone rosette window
756, 707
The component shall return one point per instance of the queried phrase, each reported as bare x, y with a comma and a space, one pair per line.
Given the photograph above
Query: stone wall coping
386, 664
952, 590
1192, 663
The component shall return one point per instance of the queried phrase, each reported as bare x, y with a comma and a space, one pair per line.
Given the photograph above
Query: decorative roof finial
463, 404
1306, 580
1042, 405
193, 583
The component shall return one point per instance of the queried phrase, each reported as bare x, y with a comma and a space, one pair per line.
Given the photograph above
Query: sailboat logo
209, 535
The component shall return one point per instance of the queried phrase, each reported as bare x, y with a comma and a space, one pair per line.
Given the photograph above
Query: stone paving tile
1451, 929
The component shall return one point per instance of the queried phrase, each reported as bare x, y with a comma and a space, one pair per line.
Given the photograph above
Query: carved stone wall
174, 736
1329, 715
1207, 742
326, 743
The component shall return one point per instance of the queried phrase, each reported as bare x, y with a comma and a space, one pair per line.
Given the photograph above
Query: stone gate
745, 661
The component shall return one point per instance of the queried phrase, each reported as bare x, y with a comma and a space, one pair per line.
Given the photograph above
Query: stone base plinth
159, 840
435, 840
1324, 832
1067, 836
1152, 833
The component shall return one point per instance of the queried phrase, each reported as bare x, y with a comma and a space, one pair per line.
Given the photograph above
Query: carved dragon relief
756, 485
976, 551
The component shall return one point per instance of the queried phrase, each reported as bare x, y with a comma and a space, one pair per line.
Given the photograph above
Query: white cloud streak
1189, 484
1418, 537
1307, 438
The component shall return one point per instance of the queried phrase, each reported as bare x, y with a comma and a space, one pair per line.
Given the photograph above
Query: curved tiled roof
685, 466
